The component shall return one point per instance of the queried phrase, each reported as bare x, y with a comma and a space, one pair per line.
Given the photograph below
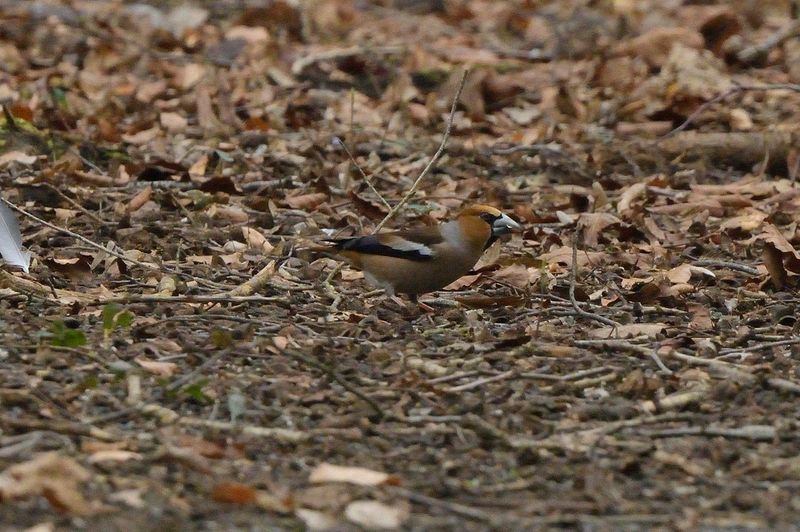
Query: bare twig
759, 347
730, 92
277, 433
735, 266
364, 176
633, 348
454, 507
572, 280
327, 285
433, 160
678, 399
480, 382
255, 283
187, 298
75, 204
751, 53
185, 379
32, 288
56, 425
784, 385
747, 432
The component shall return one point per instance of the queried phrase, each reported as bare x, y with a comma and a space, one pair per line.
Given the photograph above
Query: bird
422, 260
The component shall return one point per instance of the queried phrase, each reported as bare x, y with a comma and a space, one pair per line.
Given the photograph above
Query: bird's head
499, 223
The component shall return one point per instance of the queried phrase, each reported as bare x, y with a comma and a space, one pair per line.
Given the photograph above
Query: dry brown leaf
147, 91
374, 515
773, 260
563, 255
307, 201
198, 168
751, 220
631, 194
684, 272
206, 448
173, 122
163, 369
251, 34
230, 213
18, 157
113, 455
772, 235
517, 275
463, 282
234, 493
256, 240
490, 256
130, 497
140, 199
593, 224
656, 45
361, 476
348, 274
55, 477
190, 75
318, 521
142, 137
701, 317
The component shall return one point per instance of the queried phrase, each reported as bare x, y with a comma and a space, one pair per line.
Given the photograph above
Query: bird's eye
488, 218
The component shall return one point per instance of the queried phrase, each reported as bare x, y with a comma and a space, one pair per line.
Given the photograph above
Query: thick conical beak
504, 225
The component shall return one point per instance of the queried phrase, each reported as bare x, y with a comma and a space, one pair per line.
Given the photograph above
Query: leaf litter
178, 351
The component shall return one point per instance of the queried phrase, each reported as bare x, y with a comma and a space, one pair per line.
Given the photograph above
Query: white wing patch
401, 244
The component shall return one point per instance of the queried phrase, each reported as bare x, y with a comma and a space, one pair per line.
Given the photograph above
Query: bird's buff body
423, 260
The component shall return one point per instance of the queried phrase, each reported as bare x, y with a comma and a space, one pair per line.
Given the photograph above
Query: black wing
371, 245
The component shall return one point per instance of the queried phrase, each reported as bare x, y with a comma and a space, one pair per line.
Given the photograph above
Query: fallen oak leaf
683, 273
594, 223
773, 260
17, 157
54, 477
234, 493
140, 199
113, 455
306, 201
563, 255
376, 515
163, 369
242, 494
631, 194
463, 282
780, 257
316, 520
772, 235
361, 476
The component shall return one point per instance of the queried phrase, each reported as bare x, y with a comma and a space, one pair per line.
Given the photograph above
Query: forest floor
180, 356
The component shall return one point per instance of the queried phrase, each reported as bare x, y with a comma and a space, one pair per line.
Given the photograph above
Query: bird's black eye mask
489, 218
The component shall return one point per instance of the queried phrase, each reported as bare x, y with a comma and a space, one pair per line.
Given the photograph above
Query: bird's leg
422, 306
399, 301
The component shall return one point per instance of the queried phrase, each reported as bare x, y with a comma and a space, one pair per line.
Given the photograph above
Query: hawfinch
426, 259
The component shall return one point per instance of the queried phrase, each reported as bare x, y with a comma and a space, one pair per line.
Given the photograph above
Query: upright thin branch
364, 176
433, 160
